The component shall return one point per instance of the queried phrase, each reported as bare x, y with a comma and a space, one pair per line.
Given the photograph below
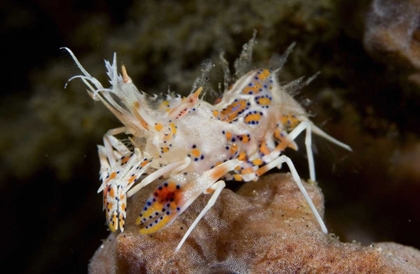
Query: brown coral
266, 227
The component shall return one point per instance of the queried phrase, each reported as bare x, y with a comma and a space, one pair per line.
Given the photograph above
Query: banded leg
120, 169
109, 153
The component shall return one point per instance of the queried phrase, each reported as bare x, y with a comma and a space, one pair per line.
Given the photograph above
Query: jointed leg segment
284, 159
217, 189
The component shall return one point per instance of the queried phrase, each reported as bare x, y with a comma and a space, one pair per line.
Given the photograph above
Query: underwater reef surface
363, 97
265, 227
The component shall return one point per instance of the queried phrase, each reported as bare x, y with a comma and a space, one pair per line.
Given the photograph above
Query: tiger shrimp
195, 145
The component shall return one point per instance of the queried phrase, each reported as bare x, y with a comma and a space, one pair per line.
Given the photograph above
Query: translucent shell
194, 144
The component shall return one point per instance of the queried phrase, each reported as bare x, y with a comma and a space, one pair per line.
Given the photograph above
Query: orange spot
110, 205
122, 223
173, 128
158, 126
195, 152
264, 74
111, 176
131, 180
264, 101
257, 162
248, 90
228, 136
237, 177
125, 159
144, 163
264, 149
215, 113
171, 186
242, 156
232, 111
277, 135
254, 89
165, 105
252, 118
245, 139
112, 192
289, 121
247, 170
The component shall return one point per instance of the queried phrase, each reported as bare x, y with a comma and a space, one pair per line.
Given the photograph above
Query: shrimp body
193, 144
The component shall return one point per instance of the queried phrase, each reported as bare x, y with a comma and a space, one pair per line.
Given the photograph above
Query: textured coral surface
266, 227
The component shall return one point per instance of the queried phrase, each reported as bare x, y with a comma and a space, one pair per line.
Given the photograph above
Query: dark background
52, 221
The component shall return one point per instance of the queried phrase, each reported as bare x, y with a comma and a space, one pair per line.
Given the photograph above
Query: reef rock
265, 227
392, 35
